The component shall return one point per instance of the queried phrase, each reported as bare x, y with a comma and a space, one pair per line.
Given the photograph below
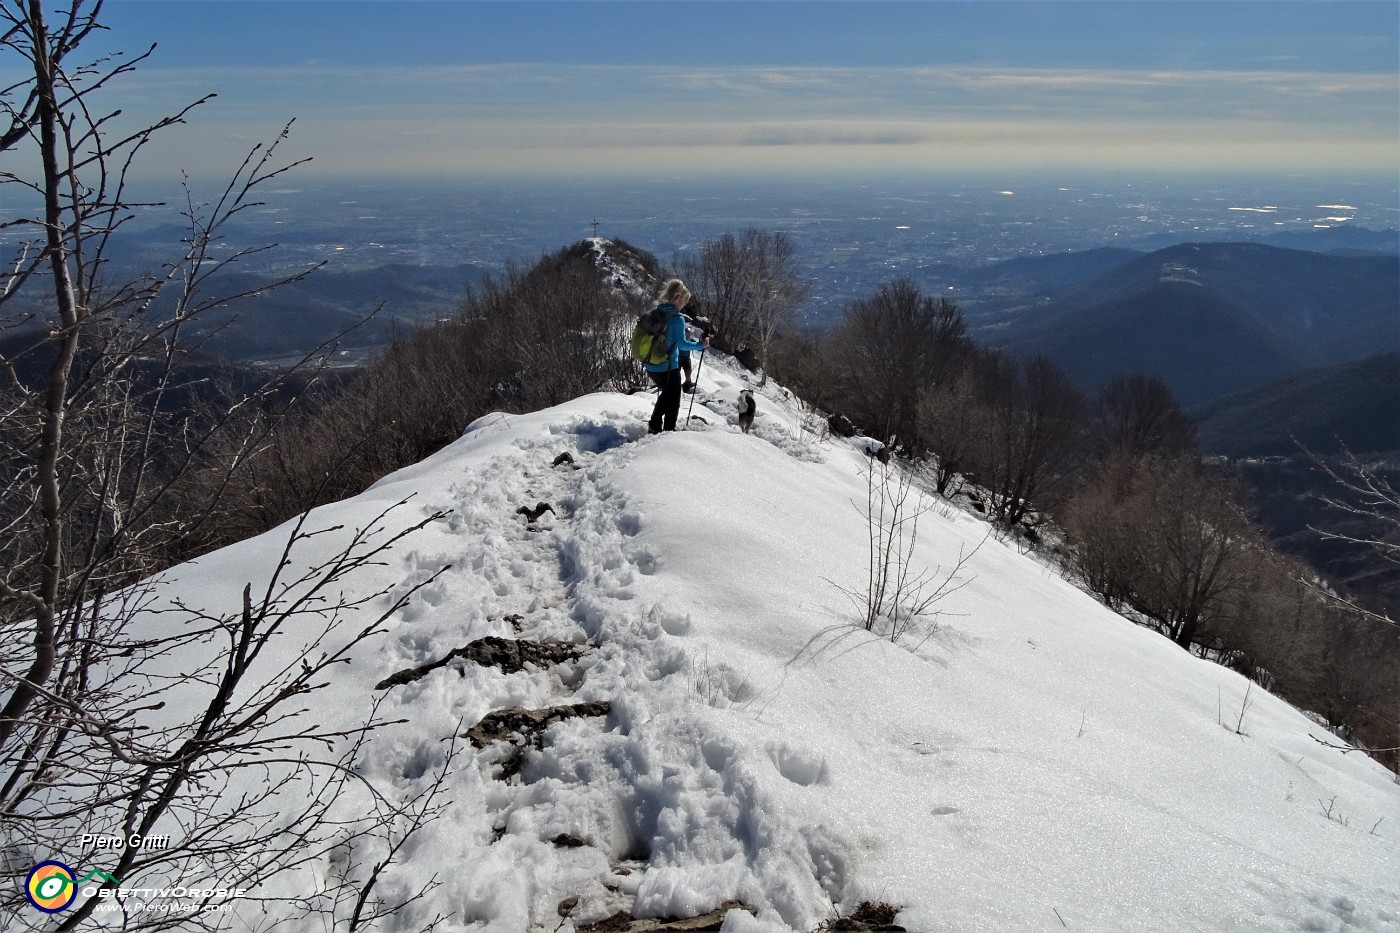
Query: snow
1032, 761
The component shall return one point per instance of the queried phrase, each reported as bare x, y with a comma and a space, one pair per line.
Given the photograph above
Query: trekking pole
696, 381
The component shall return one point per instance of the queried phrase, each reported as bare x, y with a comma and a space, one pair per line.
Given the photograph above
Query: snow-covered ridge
624, 268
1032, 762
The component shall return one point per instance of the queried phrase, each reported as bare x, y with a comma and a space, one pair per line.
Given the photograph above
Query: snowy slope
1035, 762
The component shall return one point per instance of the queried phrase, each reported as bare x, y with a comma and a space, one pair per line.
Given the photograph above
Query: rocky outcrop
507, 654
624, 923
523, 727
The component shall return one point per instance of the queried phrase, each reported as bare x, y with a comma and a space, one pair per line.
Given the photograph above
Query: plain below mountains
360, 310
1209, 319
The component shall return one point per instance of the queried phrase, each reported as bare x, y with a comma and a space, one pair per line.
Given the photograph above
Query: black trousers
668, 405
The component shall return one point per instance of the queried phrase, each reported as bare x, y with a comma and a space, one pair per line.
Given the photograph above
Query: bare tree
748, 286
772, 285
1198, 545
1374, 496
801, 359
1356, 686
1138, 415
219, 757
1032, 439
553, 330
717, 281
1359, 686
950, 416
1167, 540
889, 348
1104, 519
1366, 511
101, 408
104, 420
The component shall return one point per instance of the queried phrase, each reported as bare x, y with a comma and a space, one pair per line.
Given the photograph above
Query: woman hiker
667, 374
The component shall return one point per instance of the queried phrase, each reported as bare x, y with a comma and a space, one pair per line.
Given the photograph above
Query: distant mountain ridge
295, 319
1342, 239
1211, 318
367, 306
1358, 402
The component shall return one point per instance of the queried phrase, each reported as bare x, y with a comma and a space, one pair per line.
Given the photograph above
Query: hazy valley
1262, 306
1017, 258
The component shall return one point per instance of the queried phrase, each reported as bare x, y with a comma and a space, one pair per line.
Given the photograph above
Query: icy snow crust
1036, 763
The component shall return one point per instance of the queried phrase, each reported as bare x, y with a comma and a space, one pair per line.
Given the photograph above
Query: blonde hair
674, 292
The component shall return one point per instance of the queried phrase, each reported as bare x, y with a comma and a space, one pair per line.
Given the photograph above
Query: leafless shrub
1330, 811
1366, 507
868, 915
1163, 538
899, 594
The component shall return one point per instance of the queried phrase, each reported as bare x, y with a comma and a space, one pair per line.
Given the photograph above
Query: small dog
747, 409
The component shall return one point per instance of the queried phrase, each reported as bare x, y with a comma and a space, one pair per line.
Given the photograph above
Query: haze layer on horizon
416, 89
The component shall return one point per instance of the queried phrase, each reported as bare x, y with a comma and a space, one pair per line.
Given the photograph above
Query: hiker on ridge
667, 374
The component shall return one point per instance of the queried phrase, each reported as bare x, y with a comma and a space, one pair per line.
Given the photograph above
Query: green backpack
649, 343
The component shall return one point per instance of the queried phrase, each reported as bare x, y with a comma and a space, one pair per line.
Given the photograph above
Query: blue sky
479, 88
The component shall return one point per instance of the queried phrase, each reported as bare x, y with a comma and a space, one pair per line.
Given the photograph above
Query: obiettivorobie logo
51, 886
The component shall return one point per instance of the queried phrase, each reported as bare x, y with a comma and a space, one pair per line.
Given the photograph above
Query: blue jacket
675, 336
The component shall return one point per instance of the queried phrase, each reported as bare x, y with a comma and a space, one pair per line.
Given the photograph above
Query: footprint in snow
801, 766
